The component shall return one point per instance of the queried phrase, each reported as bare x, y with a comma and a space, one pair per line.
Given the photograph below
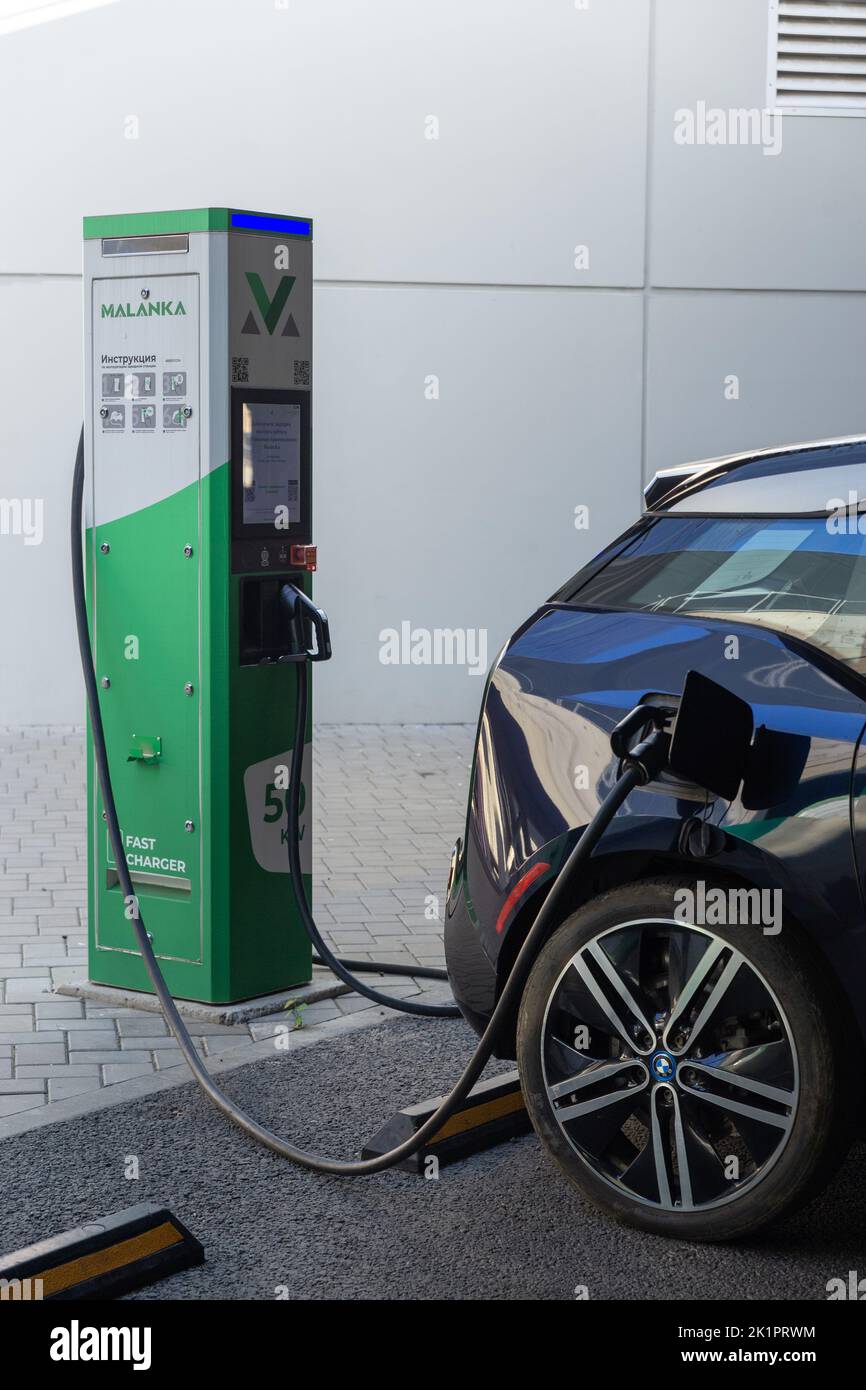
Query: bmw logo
662, 1066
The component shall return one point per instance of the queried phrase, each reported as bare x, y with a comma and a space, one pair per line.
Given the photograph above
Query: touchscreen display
271, 464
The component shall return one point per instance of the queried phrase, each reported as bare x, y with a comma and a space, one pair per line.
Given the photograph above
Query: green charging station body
198, 507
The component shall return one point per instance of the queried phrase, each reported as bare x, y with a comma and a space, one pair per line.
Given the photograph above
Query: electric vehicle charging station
198, 509
198, 526
192, 596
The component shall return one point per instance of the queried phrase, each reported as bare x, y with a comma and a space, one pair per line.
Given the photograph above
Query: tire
693, 1081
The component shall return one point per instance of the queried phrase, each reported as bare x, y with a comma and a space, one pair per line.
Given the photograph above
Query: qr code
240, 369
302, 373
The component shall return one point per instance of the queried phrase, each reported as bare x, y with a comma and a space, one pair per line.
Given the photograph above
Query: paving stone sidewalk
388, 804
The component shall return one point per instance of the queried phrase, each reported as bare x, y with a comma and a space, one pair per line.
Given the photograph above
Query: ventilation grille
818, 56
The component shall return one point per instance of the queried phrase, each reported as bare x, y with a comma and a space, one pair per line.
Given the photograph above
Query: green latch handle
145, 748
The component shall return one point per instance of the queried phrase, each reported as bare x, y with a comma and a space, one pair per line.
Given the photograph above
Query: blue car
691, 1038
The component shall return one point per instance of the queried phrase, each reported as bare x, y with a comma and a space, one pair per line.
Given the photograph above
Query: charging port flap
712, 736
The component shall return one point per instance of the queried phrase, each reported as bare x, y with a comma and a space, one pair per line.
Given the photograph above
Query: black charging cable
551, 912
325, 956
297, 606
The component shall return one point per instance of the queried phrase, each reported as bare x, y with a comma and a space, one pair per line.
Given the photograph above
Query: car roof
747, 483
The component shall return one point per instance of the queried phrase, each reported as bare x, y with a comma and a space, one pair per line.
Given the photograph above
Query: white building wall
560, 384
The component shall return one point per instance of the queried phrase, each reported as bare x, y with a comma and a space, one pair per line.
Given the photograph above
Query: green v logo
270, 309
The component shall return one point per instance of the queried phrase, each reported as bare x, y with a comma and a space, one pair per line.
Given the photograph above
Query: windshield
804, 576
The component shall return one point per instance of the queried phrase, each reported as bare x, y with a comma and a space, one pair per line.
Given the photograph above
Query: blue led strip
291, 226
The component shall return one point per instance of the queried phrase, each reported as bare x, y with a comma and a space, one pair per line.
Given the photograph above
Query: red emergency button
304, 556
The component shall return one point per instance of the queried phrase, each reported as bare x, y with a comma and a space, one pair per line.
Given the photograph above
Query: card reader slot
150, 880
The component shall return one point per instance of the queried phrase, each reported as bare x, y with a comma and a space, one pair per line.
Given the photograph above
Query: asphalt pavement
500, 1225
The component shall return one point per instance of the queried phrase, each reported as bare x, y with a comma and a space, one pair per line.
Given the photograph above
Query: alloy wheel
669, 1064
